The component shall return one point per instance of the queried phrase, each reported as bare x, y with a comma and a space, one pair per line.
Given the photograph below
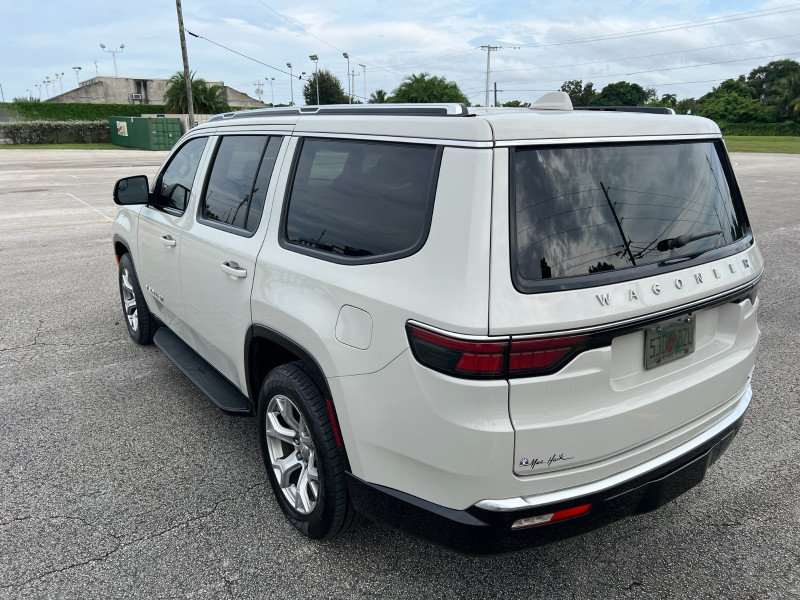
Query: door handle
233, 269
168, 241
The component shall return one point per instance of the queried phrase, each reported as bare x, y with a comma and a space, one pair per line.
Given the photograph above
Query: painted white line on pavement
89, 205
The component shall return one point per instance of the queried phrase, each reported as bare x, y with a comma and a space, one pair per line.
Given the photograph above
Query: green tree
579, 94
330, 89
786, 91
687, 106
377, 97
764, 80
424, 88
205, 99
735, 108
514, 103
670, 100
622, 93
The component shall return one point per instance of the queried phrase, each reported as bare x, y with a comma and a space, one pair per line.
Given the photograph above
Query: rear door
617, 271
219, 248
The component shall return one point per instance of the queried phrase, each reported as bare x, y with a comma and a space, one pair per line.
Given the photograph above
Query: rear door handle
168, 240
233, 269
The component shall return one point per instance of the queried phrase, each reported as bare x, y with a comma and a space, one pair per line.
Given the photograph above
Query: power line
720, 62
611, 60
240, 54
690, 24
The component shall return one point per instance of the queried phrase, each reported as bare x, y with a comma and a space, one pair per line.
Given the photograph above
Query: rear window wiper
682, 240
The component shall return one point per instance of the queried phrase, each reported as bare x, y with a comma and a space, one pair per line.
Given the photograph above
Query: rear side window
234, 195
580, 211
355, 201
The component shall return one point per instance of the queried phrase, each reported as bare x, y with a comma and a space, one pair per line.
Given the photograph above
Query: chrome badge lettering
157, 296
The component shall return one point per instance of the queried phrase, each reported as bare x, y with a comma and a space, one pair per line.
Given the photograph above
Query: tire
305, 465
141, 324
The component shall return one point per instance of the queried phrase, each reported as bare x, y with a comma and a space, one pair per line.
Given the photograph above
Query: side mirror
132, 190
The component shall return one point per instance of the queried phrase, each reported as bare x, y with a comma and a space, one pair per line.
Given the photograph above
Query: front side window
354, 200
580, 211
176, 181
233, 192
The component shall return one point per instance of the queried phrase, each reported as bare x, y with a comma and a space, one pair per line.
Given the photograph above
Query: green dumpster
146, 133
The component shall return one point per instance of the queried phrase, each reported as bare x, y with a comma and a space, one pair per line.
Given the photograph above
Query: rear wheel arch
121, 247
266, 349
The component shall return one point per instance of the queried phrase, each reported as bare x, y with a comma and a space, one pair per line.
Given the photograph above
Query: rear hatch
629, 304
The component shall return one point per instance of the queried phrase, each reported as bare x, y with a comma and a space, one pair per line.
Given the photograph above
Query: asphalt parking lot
120, 479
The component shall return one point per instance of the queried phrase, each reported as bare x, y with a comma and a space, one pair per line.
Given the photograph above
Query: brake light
559, 515
529, 356
457, 356
493, 359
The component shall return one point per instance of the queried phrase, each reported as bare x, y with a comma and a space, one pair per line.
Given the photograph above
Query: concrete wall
120, 90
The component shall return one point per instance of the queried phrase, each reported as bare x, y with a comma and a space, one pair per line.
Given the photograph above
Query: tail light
493, 358
553, 517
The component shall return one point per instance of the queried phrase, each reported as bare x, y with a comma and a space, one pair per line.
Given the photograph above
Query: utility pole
272, 91
2, 95
489, 49
349, 86
186, 73
364, 72
353, 75
495, 93
291, 83
259, 91
315, 58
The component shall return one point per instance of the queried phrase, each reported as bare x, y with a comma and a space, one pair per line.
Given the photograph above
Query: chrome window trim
720, 296
608, 140
396, 139
523, 502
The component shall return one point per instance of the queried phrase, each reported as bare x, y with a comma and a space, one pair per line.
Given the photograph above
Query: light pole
46, 83
96, 69
59, 78
291, 84
77, 75
364, 73
353, 75
272, 91
38, 87
259, 91
315, 58
114, 55
349, 87
30, 95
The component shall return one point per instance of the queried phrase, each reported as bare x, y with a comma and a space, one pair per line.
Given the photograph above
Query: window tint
177, 179
262, 183
360, 199
579, 211
230, 184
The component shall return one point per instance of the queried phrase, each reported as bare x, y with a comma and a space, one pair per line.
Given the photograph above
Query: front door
159, 232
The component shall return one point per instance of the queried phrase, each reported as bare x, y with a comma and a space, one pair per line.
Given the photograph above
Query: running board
221, 391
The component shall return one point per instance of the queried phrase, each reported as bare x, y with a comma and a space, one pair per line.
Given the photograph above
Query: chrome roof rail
658, 110
415, 110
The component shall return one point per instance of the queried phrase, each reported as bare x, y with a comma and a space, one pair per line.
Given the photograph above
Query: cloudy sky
680, 47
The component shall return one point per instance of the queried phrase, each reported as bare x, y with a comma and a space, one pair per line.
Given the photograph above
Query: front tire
140, 323
305, 464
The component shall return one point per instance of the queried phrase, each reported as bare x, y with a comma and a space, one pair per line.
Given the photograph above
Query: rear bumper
479, 530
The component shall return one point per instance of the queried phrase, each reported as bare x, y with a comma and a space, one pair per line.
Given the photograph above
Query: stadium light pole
77, 75
114, 55
291, 83
315, 58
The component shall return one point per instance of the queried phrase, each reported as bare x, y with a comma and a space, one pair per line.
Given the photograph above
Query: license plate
668, 341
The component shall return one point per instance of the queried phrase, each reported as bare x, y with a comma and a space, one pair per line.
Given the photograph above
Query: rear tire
141, 324
305, 464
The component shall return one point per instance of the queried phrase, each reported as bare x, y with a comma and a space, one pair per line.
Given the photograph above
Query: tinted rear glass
585, 210
353, 199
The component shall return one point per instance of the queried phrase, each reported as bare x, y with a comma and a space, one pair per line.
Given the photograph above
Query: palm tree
787, 93
205, 99
377, 97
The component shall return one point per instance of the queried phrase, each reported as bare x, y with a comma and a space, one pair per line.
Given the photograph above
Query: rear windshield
579, 211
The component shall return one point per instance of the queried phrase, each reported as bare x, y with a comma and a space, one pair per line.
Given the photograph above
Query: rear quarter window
354, 201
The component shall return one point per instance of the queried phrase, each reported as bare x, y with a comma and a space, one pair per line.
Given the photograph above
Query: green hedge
56, 132
79, 111
760, 128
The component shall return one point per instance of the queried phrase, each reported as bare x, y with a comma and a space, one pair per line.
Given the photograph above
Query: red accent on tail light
528, 355
559, 515
458, 356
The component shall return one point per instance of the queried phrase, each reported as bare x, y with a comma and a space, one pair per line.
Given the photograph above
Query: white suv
489, 328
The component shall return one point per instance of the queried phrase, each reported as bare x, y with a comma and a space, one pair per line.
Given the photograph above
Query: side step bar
221, 391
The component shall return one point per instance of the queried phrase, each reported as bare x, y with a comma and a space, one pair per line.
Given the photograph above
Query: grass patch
64, 147
756, 143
